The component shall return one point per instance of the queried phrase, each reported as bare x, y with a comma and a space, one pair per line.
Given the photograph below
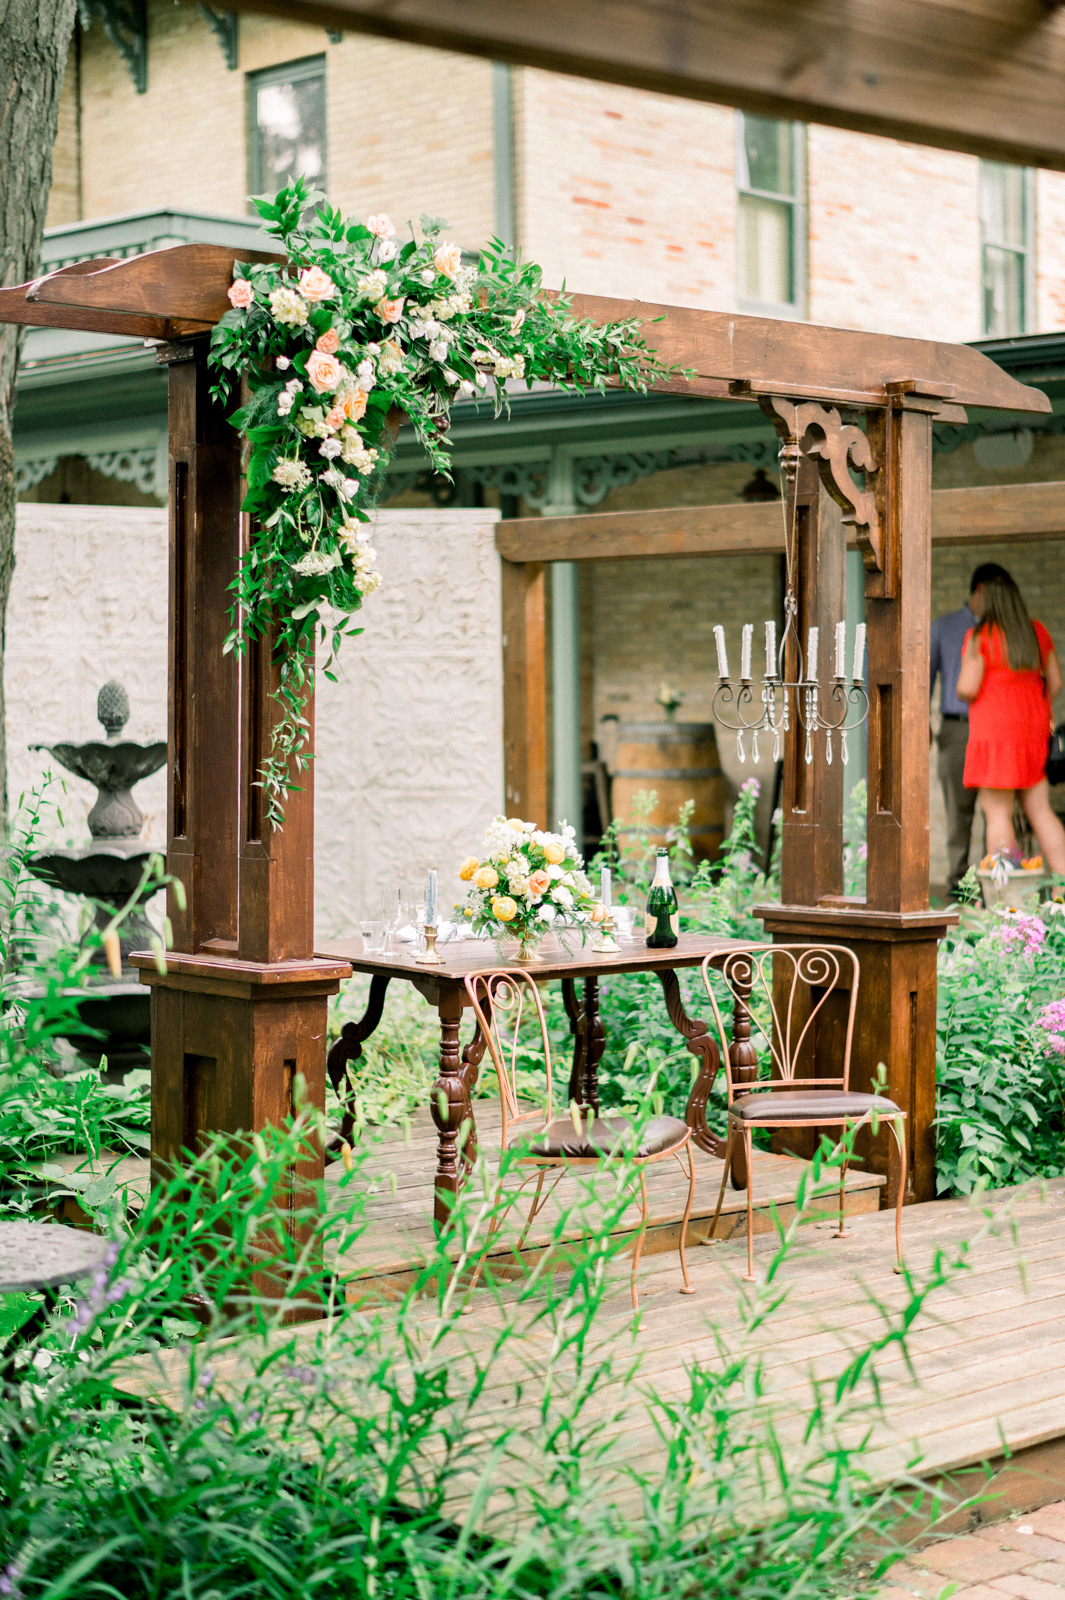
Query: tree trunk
34, 39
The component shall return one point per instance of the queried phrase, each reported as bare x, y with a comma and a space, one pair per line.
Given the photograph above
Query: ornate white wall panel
410, 739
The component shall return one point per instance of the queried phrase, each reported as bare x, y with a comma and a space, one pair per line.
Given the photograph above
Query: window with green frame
286, 125
1005, 247
770, 179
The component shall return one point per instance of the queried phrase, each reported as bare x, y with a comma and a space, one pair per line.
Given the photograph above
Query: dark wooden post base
895, 1024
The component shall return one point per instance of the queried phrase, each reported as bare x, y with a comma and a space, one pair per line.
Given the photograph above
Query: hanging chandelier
837, 706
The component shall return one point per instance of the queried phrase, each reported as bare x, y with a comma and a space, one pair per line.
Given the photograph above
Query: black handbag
1056, 755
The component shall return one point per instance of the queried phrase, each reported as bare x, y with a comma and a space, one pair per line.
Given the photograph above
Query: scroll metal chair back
502, 1002
793, 984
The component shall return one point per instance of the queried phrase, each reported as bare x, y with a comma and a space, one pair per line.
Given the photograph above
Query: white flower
355, 452
282, 363
465, 388
438, 350
381, 225
516, 321
387, 250
563, 897
316, 563
285, 403
330, 448
482, 381
428, 276
392, 357
346, 488
557, 873
451, 377
288, 308
373, 286
568, 831
292, 474
365, 368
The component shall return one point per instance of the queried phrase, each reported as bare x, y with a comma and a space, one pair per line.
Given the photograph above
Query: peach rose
324, 372
598, 912
380, 225
328, 342
447, 258
554, 853
389, 310
539, 882
314, 284
241, 293
504, 908
468, 868
486, 877
354, 404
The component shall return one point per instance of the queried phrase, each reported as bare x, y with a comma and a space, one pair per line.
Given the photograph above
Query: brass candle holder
606, 944
429, 956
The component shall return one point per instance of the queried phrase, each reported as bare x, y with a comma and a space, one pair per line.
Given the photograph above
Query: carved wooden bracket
819, 432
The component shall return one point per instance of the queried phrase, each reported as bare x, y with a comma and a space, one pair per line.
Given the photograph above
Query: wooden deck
987, 1383
400, 1236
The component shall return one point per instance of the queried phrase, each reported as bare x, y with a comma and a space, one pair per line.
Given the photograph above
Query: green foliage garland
352, 333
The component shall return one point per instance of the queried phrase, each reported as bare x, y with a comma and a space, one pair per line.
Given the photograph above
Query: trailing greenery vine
334, 346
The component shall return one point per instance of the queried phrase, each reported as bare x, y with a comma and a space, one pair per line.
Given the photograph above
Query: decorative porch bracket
125, 23
225, 26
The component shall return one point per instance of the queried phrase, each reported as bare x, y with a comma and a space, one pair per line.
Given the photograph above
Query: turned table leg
452, 1107
589, 1042
700, 1043
743, 1059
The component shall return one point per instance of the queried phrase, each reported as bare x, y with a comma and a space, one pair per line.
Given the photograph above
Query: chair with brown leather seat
791, 985
504, 1000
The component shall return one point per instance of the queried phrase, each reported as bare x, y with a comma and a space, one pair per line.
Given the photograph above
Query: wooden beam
803, 359
982, 76
1004, 513
524, 691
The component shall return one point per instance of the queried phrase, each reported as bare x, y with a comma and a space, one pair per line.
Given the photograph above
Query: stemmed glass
415, 911
391, 916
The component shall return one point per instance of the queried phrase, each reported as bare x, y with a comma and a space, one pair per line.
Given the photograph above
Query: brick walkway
1024, 1558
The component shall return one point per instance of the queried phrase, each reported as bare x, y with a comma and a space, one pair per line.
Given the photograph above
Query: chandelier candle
859, 653
722, 658
662, 916
745, 653
811, 654
841, 650
770, 649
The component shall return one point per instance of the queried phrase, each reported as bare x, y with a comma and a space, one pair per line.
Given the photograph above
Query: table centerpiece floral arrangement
355, 331
527, 883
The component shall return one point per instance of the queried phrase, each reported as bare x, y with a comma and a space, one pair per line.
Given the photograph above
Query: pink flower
328, 342
1023, 930
324, 372
241, 294
539, 882
315, 284
389, 310
447, 258
381, 225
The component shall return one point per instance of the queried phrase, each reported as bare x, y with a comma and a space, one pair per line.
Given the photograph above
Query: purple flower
752, 786
1020, 931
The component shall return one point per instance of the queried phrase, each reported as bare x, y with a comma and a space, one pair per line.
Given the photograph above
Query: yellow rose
486, 877
555, 854
504, 908
516, 823
468, 868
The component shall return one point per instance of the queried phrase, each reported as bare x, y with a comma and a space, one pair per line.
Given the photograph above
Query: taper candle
841, 650
430, 899
811, 655
722, 658
859, 652
604, 887
770, 649
745, 652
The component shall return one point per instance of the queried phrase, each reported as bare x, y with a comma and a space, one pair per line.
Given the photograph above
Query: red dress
1009, 721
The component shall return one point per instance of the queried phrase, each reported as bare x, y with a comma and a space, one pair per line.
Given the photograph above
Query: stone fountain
107, 871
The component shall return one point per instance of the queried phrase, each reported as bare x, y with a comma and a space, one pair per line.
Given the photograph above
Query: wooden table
451, 1101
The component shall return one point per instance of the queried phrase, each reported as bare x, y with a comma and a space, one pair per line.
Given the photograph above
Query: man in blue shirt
947, 638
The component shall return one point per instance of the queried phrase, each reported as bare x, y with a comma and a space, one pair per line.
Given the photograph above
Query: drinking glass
624, 922
374, 932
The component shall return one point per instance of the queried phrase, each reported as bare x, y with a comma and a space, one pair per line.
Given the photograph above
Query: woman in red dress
1010, 676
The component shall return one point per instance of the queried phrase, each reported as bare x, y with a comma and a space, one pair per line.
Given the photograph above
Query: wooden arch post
240, 1010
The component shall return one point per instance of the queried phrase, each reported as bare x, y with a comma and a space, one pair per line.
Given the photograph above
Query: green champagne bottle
662, 917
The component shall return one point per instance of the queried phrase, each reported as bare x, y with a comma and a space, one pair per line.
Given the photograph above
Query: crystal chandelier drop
838, 705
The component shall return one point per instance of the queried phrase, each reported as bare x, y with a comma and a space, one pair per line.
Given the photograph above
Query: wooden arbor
241, 1009
812, 383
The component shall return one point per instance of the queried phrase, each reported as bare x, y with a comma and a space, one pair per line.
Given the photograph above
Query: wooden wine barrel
679, 761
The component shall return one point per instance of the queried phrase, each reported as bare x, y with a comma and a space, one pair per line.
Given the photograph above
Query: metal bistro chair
501, 1000
785, 1100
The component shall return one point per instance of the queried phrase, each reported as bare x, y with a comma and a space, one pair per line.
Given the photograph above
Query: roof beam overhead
983, 76
1007, 514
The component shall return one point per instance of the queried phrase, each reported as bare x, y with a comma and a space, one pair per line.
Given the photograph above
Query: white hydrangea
311, 423
373, 286
355, 453
288, 308
292, 474
509, 367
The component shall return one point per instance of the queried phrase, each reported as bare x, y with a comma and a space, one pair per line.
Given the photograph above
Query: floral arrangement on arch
335, 346
528, 883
